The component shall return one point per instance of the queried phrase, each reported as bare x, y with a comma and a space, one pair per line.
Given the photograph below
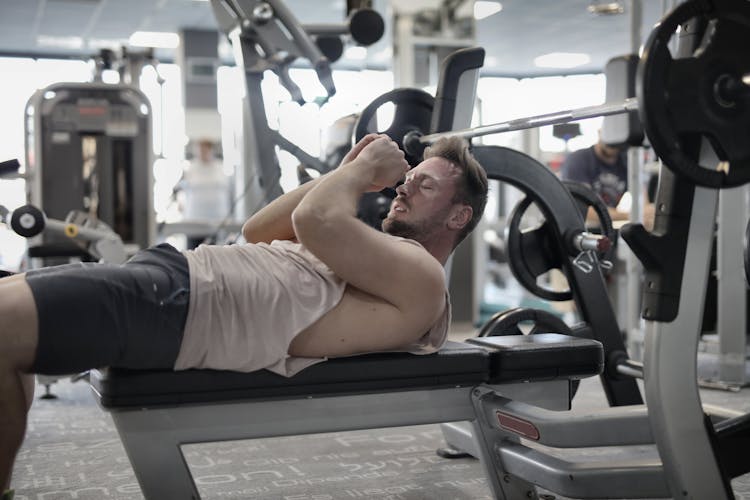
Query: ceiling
521, 31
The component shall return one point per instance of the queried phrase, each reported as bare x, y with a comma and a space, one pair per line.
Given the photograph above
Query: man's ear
460, 216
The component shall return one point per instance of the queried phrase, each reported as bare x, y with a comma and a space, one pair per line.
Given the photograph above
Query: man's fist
382, 159
354, 152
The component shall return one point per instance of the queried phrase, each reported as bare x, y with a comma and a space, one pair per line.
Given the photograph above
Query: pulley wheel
705, 95
412, 112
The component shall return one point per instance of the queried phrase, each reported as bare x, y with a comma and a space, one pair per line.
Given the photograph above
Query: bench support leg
504, 486
156, 457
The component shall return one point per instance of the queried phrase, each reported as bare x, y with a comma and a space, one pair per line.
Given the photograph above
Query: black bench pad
456, 364
542, 356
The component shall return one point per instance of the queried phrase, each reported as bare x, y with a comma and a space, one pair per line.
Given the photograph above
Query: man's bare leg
18, 340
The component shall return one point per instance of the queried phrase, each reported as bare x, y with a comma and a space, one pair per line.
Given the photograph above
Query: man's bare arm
274, 221
404, 275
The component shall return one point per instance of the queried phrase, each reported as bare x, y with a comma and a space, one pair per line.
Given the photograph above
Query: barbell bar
414, 142
701, 97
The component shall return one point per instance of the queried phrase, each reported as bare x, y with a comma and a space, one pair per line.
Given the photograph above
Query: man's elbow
248, 231
312, 223
304, 221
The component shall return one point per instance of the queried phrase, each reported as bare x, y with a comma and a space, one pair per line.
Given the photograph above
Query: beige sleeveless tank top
248, 302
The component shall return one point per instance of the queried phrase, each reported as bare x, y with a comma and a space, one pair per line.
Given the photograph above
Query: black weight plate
412, 112
507, 323
682, 100
532, 252
531, 255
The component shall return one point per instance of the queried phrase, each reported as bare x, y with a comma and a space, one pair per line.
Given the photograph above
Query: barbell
680, 101
414, 142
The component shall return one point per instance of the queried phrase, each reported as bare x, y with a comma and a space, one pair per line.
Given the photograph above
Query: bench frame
153, 437
153, 434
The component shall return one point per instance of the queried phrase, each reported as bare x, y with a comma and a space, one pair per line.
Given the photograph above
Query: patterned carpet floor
72, 451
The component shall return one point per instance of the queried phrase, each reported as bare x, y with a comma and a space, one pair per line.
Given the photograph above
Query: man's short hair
471, 188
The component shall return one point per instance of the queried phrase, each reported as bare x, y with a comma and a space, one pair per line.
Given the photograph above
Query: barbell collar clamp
570, 115
413, 144
592, 242
728, 90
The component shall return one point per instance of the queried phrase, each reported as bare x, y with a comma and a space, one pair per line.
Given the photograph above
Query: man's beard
419, 230
400, 228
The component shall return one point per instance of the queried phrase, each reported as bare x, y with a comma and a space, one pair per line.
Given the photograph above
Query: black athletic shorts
95, 315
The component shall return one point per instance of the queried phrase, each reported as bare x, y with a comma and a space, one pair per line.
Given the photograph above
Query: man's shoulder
405, 240
414, 243
431, 264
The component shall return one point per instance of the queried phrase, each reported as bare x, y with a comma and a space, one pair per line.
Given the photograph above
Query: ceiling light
356, 52
155, 39
605, 7
65, 42
484, 9
561, 60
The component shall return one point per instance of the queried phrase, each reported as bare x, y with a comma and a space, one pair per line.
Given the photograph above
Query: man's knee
18, 324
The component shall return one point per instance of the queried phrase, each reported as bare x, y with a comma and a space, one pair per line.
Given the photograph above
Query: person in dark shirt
602, 167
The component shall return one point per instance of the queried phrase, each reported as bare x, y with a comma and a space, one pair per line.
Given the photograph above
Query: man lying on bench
312, 282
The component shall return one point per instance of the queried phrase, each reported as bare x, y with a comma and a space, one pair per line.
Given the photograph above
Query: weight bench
155, 412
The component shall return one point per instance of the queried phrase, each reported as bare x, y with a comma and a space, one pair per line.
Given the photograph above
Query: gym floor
72, 451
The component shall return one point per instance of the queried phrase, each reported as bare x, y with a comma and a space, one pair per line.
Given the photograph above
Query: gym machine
89, 148
89, 166
265, 35
702, 95
699, 456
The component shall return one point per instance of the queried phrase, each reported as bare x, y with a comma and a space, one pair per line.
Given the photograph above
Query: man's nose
402, 189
